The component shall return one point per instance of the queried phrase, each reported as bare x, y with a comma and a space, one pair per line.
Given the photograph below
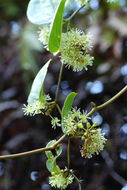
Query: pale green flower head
55, 122
37, 107
61, 180
74, 122
94, 143
44, 35
75, 47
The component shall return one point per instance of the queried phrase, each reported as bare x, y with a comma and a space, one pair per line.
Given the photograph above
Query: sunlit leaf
56, 28
41, 11
37, 86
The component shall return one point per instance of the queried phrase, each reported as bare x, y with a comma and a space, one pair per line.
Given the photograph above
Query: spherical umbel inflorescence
37, 107
44, 35
61, 179
74, 122
77, 124
75, 47
94, 142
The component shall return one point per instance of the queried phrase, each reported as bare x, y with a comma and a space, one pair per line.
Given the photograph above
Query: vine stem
73, 15
96, 108
59, 81
40, 150
68, 153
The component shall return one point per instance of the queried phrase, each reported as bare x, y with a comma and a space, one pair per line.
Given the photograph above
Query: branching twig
96, 108
40, 150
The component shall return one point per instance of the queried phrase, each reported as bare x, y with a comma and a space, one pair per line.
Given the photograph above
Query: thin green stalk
73, 15
96, 108
68, 153
40, 150
58, 107
59, 81
50, 116
79, 182
80, 188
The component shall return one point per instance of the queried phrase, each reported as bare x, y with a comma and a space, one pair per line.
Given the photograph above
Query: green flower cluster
77, 124
61, 179
37, 107
74, 122
44, 35
94, 142
75, 47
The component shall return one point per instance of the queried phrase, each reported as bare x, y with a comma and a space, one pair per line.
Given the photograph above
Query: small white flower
55, 122
37, 107
33, 109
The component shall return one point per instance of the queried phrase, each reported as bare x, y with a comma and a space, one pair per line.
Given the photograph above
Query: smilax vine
73, 47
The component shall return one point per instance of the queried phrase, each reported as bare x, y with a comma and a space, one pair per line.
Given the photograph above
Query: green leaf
41, 11
37, 86
51, 162
51, 165
48, 153
57, 151
56, 28
68, 104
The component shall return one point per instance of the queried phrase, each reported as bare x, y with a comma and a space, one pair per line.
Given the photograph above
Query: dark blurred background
21, 57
